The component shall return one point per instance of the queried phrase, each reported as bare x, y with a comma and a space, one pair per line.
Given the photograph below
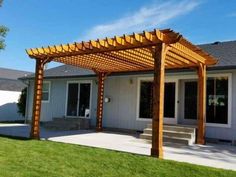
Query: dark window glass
190, 100
169, 100
45, 92
45, 96
146, 100
84, 100
217, 100
72, 99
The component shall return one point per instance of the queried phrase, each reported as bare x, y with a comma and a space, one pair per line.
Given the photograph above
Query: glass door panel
84, 100
169, 100
190, 100
72, 99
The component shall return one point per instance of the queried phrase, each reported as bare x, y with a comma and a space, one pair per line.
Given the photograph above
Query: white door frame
90, 101
166, 120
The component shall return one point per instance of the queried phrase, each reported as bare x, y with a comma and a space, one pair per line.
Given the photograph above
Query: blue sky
34, 23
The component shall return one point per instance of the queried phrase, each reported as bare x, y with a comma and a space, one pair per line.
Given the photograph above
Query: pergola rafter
155, 50
130, 48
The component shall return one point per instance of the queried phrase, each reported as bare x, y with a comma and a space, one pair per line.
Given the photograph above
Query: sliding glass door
146, 100
78, 99
217, 98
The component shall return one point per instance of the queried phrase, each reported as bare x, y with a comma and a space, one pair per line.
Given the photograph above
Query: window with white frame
217, 100
46, 91
78, 99
146, 99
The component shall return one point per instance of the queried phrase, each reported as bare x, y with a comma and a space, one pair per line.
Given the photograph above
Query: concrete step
176, 128
168, 139
176, 140
171, 133
67, 124
178, 134
58, 126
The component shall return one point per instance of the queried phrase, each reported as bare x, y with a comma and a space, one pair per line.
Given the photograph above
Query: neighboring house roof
6, 73
67, 70
225, 52
8, 79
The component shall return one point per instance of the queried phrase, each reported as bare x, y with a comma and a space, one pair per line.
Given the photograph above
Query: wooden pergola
154, 50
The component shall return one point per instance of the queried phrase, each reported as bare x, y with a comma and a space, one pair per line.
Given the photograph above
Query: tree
22, 102
3, 32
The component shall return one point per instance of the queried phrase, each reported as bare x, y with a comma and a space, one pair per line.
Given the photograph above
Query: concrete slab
214, 155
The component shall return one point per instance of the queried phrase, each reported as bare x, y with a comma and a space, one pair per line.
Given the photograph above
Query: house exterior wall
56, 107
121, 111
8, 106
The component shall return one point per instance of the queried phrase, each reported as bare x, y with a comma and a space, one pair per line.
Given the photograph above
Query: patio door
190, 102
78, 99
145, 100
170, 102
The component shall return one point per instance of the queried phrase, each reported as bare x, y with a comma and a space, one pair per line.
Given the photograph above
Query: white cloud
148, 17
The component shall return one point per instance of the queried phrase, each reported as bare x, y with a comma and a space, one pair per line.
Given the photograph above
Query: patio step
167, 139
170, 133
67, 124
173, 134
178, 128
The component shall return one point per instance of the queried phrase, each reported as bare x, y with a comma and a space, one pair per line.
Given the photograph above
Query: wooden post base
201, 141
35, 137
157, 153
99, 129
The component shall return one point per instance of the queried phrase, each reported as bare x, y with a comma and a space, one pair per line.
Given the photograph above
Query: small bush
22, 102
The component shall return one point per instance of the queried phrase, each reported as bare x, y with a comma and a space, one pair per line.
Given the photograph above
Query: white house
71, 92
10, 90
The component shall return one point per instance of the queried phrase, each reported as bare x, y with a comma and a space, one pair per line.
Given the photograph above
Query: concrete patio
214, 155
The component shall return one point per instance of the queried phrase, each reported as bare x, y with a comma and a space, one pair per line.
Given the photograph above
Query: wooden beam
158, 100
201, 103
38, 86
101, 79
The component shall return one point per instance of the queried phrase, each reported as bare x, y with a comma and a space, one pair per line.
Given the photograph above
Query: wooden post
38, 85
158, 100
201, 103
101, 78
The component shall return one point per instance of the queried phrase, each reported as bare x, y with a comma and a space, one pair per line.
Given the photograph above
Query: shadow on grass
14, 137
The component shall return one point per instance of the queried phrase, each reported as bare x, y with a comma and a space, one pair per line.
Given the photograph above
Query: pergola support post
101, 79
38, 86
158, 100
201, 103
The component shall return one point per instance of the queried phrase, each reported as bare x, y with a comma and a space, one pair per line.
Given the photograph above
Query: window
84, 100
72, 99
190, 100
78, 99
146, 100
217, 100
46, 91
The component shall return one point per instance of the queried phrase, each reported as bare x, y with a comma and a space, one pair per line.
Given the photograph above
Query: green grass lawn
44, 158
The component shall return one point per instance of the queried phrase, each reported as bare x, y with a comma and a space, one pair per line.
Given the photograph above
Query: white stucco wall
8, 107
